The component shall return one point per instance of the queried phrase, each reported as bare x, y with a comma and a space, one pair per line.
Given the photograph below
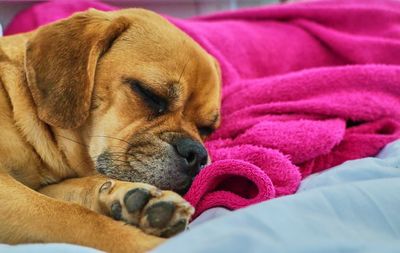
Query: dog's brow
173, 91
170, 94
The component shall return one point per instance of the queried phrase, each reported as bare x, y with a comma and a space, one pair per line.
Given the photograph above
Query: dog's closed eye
205, 131
156, 103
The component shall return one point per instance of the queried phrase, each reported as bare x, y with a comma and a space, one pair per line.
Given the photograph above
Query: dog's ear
60, 64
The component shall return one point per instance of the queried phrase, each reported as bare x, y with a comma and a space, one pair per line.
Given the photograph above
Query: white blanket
352, 189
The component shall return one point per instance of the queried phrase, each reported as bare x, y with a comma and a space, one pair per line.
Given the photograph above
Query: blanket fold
307, 86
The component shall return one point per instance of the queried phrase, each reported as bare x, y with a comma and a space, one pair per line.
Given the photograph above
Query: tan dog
122, 93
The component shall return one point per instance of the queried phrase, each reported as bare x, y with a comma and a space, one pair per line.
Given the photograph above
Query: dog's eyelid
157, 103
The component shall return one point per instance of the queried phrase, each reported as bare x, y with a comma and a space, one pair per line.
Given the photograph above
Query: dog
103, 117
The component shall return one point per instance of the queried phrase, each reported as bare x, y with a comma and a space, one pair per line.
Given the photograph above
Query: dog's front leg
27, 216
156, 212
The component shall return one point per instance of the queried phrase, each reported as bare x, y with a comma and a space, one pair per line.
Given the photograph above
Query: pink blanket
307, 86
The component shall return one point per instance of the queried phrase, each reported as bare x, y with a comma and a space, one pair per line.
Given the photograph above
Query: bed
343, 202
349, 208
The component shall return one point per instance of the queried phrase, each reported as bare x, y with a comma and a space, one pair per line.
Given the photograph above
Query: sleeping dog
102, 117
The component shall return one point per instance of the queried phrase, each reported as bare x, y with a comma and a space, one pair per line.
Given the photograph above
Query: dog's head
141, 93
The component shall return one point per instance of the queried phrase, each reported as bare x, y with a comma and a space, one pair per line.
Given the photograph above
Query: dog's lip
181, 181
182, 191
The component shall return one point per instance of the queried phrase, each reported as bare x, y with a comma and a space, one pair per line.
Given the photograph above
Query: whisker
114, 155
80, 143
137, 152
118, 148
115, 138
122, 161
183, 70
72, 140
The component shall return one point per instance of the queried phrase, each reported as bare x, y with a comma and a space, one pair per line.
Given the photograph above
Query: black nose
193, 152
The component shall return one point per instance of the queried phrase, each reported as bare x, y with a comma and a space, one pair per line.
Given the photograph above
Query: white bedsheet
353, 207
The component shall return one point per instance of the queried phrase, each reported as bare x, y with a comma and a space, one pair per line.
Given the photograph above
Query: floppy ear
60, 64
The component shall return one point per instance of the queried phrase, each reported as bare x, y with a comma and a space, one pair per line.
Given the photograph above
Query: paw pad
116, 210
136, 199
160, 214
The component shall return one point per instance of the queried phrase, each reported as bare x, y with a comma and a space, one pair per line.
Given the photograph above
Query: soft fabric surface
350, 208
307, 86
46, 248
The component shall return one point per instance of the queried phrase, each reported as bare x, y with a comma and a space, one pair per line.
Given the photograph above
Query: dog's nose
193, 152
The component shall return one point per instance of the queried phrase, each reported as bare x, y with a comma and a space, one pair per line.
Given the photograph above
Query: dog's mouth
169, 162
164, 173
186, 188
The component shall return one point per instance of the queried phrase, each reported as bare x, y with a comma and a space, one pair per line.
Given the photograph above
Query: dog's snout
194, 154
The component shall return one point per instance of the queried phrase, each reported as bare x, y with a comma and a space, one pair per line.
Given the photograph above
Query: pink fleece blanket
307, 86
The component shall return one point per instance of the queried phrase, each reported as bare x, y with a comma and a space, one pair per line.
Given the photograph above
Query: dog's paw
156, 212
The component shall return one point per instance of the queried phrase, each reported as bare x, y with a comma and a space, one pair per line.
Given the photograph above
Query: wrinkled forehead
168, 60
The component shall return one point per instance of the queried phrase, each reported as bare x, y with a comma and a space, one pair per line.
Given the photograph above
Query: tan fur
64, 102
